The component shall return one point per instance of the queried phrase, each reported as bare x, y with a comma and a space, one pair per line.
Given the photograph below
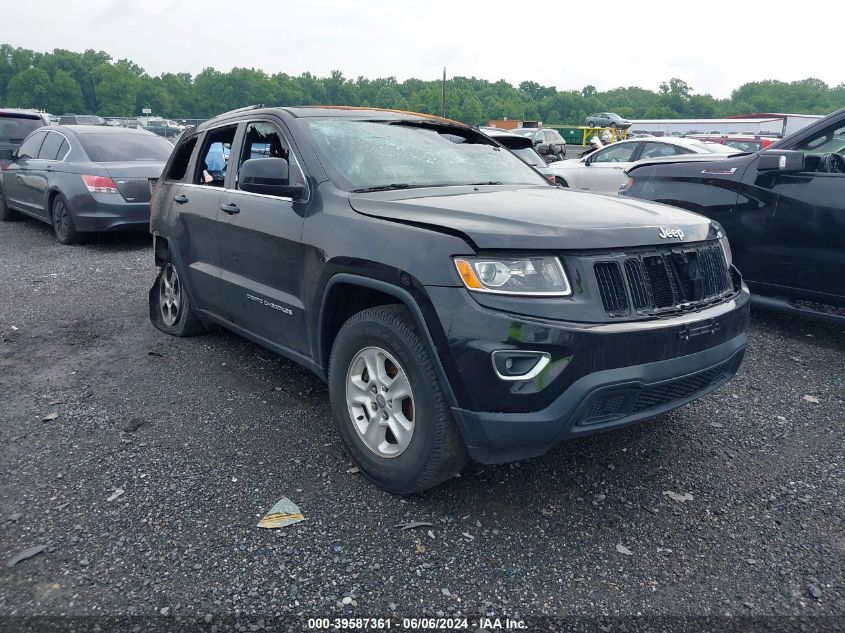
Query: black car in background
83, 179
457, 303
548, 143
783, 209
522, 147
15, 126
81, 119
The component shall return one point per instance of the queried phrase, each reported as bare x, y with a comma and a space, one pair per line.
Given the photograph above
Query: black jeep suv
457, 303
783, 208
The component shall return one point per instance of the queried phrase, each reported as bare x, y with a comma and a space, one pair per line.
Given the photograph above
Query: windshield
15, 129
363, 155
118, 148
829, 140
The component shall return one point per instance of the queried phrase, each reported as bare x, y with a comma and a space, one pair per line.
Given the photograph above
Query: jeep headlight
534, 276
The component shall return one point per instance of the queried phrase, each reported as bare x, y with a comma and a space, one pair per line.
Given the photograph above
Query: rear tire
404, 390
170, 306
6, 214
63, 225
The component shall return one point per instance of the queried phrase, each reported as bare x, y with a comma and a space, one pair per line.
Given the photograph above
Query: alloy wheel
61, 220
169, 295
380, 402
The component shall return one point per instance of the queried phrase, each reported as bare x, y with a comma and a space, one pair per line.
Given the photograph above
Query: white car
603, 171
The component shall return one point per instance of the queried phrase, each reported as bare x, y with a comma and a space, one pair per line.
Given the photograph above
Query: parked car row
602, 171
83, 179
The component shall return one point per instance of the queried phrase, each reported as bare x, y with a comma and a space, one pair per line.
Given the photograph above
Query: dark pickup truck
783, 209
457, 303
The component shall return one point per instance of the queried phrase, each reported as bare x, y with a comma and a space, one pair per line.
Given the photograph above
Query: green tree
29, 89
65, 94
116, 87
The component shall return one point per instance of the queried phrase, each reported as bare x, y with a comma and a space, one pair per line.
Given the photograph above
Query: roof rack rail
254, 106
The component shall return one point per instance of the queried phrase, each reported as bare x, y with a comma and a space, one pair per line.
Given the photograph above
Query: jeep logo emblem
665, 233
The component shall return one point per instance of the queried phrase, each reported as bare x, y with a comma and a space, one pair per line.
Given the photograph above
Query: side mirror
269, 176
7, 154
781, 160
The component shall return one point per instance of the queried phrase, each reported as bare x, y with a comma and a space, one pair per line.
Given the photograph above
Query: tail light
100, 184
765, 142
552, 178
627, 185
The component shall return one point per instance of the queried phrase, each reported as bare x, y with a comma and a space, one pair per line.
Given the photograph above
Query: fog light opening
512, 365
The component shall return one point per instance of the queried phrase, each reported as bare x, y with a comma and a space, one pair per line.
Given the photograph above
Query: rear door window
213, 159
655, 150
179, 166
50, 148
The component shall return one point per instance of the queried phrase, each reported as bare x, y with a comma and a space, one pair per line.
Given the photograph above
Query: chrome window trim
57, 159
224, 190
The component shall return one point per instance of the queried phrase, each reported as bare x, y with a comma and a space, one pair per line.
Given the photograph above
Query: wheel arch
52, 194
336, 308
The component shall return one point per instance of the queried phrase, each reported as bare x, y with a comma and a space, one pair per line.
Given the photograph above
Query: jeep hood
538, 217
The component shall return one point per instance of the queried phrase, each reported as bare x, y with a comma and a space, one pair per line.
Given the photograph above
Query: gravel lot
205, 434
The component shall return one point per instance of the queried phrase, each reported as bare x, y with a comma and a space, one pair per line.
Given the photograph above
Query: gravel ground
203, 435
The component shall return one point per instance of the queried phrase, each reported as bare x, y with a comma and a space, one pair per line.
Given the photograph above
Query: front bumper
600, 376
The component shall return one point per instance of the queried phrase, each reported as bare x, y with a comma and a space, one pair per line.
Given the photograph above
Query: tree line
93, 83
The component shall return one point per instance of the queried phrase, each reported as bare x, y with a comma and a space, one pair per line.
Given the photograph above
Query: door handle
181, 198
19, 178
49, 168
231, 208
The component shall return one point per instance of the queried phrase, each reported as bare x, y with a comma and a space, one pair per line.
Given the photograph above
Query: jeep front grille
669, 280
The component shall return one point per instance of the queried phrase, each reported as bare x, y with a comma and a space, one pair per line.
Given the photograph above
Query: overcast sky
715, 46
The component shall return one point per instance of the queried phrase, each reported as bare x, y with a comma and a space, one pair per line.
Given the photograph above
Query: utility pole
443, 95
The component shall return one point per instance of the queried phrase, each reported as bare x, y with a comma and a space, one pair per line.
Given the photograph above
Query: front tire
170, 306
63, 225
387, 403
6, 214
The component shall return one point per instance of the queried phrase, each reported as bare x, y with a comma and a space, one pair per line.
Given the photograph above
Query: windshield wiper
396, 185
489, 182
